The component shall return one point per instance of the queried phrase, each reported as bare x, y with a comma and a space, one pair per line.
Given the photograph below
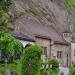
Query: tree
31, 60
9, 44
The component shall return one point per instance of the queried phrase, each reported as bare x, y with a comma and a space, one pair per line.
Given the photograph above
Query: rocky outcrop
50, 12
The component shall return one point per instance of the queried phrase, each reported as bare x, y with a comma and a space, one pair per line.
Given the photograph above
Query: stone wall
44, 43
65, 52
72, 53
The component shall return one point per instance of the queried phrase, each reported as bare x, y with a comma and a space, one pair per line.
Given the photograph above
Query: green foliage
4, 6
11, 67
70, 5
1, 69
3, 25
9, 44
44, 70
53, 67
31, 60
18, 68
72, 70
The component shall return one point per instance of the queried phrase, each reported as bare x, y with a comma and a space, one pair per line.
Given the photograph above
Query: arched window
28, 45
59, 54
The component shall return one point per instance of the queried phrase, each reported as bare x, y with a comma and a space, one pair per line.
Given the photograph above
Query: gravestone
6, 72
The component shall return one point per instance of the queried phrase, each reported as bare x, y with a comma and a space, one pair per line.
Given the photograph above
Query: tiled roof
36, 28
22, 36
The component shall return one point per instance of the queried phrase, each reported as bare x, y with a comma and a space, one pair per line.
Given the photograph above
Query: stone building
73, 53
69, 36
47, 37
60, 51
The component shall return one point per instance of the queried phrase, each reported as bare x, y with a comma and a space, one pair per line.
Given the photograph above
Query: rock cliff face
50, 12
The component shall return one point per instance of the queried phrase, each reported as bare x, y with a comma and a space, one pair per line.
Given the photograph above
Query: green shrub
31, 60
53, 67
44, 68
72, 70
1, 69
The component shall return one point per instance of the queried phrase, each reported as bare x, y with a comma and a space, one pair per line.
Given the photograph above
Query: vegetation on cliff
70, 5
